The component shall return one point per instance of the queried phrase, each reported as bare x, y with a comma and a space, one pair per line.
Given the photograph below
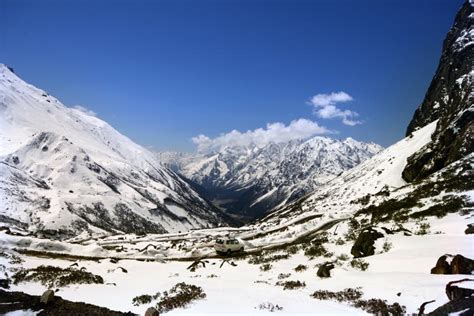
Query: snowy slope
257, 179
322, 215
63, 171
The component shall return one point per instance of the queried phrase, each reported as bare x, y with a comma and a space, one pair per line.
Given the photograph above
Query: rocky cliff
449, 100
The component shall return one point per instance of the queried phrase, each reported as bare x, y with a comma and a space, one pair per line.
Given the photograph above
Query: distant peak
4, 67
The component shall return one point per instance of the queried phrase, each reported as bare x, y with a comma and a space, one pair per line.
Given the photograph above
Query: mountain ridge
64, 171
253, 179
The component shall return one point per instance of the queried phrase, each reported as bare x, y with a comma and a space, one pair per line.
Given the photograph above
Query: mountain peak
449, 100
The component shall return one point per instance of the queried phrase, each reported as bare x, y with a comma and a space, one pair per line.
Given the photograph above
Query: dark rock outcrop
324, 271
469, 229
442, 266
455, 292
364, 244
462, 265
14, 301
449, 99
461, 300
464, 307
47, 297
458, 265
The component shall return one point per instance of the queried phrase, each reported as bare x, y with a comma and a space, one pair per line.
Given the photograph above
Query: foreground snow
404, 269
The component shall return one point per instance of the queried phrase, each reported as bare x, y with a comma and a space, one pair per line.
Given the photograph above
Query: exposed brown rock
462, 265
459, 265
442, 266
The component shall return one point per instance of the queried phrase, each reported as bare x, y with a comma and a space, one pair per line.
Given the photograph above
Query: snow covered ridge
63, 171
258, 178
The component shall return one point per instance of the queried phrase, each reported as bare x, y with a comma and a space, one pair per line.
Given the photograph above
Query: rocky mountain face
248, 181
449, 100
64, 171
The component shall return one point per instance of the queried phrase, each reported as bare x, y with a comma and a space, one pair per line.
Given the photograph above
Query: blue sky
163, 72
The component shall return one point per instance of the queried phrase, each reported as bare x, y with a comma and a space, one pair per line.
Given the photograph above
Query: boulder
151, 311
462, 265
324, 270
47, 297
470, 229
364, 244
457, 265
442, 266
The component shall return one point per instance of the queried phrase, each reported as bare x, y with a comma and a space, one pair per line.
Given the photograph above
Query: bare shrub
56, 277
353, 296
359, 264
179, 296
282, 276
291, 285
145, 299
265, 267
301, 268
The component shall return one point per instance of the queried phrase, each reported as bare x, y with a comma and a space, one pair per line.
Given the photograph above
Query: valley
249, 181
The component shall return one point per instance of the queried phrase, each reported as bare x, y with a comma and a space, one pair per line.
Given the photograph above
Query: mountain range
248, 181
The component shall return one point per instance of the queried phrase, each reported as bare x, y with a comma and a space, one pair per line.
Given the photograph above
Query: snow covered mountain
63, 171
251, 180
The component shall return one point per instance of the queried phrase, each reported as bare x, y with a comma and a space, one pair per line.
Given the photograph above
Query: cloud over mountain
273, 132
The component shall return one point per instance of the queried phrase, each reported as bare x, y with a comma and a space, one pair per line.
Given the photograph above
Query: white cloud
325, 107
84, 110
274, 132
